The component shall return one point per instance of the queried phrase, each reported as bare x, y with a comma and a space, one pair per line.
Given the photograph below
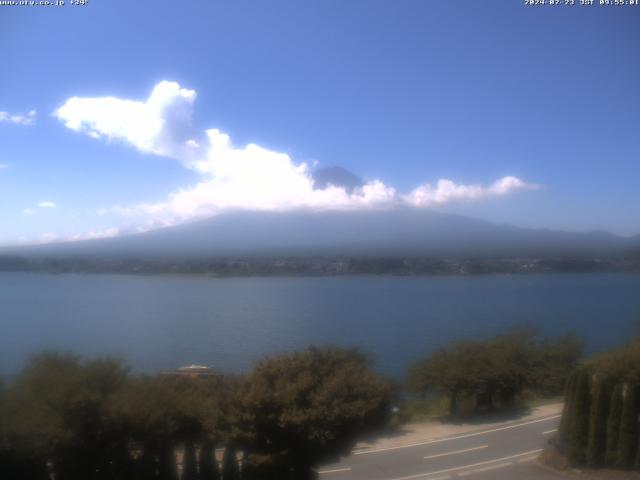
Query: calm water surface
167, 321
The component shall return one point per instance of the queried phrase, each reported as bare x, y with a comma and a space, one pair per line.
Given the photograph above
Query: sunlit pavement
503, 452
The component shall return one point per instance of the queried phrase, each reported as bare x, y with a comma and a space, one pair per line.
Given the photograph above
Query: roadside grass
537, 401
420, 410
437, 408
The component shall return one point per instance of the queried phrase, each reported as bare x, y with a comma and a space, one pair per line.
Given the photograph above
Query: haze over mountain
394, 232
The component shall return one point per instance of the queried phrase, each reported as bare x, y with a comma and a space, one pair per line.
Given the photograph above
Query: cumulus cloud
19, 119
47, 204
233, 177
4, 166
446, 191
160, 125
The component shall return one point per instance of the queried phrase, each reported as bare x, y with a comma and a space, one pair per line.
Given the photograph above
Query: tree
15, 461
208, 463
61, 410
189, 462
230, 470
554, 361
310, 406
596, 445
613, 425
628, 434
566, 421
440, 373
580, 419
495, 371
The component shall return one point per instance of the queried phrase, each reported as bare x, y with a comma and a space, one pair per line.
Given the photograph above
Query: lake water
163, 322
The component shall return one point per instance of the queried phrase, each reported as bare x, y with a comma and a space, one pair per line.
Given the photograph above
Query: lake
162, 322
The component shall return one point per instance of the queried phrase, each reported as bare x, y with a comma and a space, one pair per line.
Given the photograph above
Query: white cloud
232, 178
47, 204
159, 125
106, 233
446, 191
26, 119
4, 166
48, 238
75, 237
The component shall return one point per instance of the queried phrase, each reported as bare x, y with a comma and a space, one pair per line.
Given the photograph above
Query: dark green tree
208, 463
496, 371
150, 405
564, 430
61, 411
189, 462
310, 406
613, 425
230, 469
554, 360
579, 433
596, 446
628, 435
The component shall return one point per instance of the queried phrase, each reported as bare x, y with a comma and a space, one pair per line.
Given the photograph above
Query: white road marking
527, 459
549, 431
485, 469
464, 467
474, 434
456, 452
335, 470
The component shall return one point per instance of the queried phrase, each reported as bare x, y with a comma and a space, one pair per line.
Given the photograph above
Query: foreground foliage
493, 373
599, 425
305, 406
92, 420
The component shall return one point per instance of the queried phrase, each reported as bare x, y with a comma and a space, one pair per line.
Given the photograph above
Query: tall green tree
495, 371
61, 411
310, 406
580, 419
208, 463
613, 425
189, 462
566, 421
596, 446
230, 468
628, 435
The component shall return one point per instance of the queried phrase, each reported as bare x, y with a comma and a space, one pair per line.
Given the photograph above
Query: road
502, 452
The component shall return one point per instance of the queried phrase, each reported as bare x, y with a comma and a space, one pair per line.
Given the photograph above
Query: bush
310, 406
495, 372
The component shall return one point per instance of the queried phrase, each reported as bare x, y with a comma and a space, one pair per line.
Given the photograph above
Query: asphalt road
503, 452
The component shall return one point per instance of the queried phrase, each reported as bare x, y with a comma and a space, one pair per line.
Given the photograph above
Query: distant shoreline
321, 266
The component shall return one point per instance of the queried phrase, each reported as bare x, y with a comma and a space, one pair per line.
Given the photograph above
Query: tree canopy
310, 406
93, 420
494, 371
599, 424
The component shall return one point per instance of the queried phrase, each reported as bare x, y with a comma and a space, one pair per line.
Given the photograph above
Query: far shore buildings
194, 371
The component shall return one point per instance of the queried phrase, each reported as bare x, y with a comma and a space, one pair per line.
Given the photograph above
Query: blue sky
531, 115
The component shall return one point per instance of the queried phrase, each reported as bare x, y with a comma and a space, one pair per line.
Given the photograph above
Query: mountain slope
399, 232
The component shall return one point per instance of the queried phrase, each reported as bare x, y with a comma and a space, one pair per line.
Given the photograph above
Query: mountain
336, 176
399, 232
